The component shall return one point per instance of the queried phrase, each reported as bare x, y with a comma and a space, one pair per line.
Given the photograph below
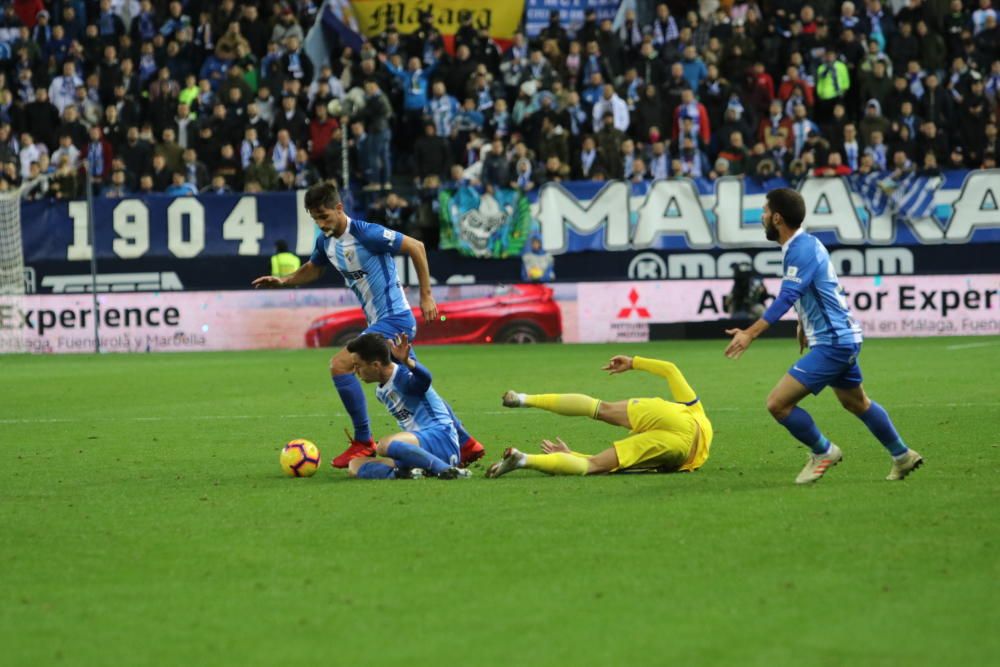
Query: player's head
326, 208
784, 208
370, 355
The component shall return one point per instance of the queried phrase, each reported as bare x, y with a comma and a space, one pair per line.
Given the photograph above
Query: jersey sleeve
801, 264
376, 238
318, 256
413, 382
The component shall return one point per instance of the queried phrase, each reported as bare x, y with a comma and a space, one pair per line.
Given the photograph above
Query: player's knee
778, 408
857, 405
341, 365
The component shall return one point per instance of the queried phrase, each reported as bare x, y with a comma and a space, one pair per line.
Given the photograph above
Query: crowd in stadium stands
192, 96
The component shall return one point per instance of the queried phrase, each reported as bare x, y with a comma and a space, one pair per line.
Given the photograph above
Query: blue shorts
392, 326
826, 365
441, 442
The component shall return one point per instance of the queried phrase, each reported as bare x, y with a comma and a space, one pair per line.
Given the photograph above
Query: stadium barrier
628, 311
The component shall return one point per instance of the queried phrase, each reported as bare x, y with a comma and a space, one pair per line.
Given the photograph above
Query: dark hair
371, 347
789, 204
322, 195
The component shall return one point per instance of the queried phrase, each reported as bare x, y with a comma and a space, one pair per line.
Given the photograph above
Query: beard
770, 232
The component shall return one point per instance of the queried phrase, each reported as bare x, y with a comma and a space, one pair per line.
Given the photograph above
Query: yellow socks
557, 464
569, 405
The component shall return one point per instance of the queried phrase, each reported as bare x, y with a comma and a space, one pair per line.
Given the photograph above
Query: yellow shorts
663, 436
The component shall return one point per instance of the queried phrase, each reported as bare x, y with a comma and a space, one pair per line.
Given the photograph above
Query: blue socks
878, 422
463, 435
804, 429
353, 398
375, 470
411, 456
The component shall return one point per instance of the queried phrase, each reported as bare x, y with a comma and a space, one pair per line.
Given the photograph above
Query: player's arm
418, 380
799, 272
415, 250
304, 275
667, 370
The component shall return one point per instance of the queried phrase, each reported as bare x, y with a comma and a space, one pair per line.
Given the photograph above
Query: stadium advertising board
586, 312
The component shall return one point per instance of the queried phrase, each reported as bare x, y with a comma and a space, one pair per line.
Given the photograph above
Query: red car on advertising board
512, 314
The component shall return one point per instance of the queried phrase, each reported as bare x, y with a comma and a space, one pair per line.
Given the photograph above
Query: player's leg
555, 462
352, 395
856, 401
405, 449
367, 467
782, 403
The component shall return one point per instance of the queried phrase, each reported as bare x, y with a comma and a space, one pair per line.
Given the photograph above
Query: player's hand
618, 364
429, 308
399, 347
267, 282
739, 344
801, 336
550, 447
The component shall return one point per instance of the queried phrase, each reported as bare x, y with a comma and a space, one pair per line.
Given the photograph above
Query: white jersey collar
786, 244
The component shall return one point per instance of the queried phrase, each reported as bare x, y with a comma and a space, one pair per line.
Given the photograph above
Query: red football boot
354, 450
472, 451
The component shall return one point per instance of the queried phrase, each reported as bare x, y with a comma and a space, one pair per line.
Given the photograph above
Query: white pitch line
967, 346
314, 415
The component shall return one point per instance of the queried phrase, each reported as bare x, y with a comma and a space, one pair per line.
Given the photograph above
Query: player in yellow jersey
665, 436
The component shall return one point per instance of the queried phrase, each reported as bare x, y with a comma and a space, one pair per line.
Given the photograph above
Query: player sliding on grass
428, 440
834, 338
362, 252
665, 436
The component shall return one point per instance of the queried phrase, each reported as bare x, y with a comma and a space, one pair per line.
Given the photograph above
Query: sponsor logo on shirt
792, 274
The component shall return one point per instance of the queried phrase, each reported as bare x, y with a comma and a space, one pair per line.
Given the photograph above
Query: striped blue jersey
364, 256
412, 401
810, 282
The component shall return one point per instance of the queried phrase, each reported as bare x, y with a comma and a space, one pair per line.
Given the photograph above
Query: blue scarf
95, 159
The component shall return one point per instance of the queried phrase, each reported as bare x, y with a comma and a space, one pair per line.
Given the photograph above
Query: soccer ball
300, 458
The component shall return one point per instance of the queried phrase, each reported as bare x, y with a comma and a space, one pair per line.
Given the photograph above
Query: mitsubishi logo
633, 298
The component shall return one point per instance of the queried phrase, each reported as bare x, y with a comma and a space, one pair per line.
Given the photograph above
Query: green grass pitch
144, 519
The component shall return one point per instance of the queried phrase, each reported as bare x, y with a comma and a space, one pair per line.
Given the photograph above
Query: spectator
588, 160
66, 149
179, 187
873, 121
609, 141
690, 108
99, 156
62, 91
262, 171
218, 186
609, 102
170, 150
118, 187
161, 174
195, 171
283, 154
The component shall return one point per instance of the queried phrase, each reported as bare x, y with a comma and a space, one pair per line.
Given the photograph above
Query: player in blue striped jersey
363, 254
427, 439
834, 339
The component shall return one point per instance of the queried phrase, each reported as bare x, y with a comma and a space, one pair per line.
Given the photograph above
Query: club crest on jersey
349, 254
